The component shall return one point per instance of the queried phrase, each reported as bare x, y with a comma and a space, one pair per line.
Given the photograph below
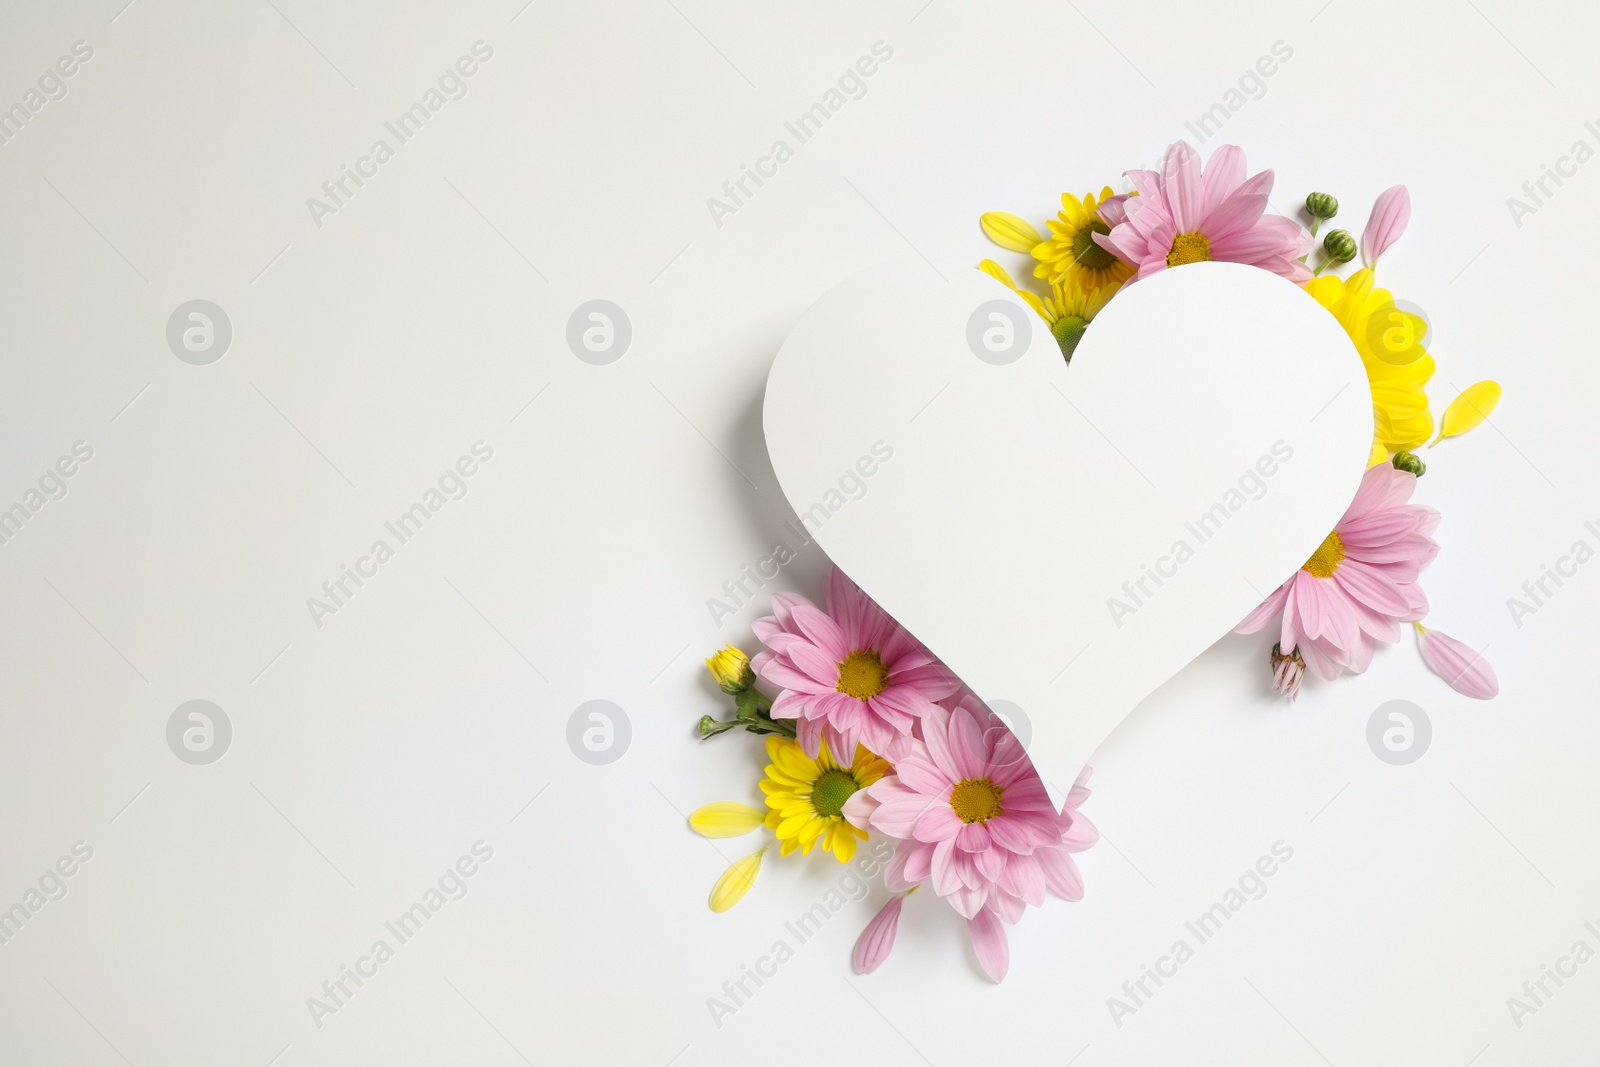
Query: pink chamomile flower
975, 820
850, 674
1361, 582
1183, 215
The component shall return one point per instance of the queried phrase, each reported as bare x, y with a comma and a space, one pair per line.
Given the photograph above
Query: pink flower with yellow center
1360, 583
976, 820
850, 674
1183, 215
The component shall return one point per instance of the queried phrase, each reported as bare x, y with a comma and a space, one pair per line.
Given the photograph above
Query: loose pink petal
1466, 671
873, 946
989, 942
1390, 215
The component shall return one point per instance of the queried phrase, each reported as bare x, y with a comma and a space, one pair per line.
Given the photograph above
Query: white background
368, 754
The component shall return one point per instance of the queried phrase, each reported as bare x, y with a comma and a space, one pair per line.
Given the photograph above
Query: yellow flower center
1189, 248
1325, 560
975, 799
831, 790
862, 675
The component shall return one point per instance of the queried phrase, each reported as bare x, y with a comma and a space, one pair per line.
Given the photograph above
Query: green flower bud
1322, 206
1340, 246
1405, 461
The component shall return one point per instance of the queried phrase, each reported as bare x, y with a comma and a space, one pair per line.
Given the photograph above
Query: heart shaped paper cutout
1066, 538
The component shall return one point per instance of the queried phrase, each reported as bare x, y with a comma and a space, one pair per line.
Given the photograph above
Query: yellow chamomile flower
1068, 309
1070, 252
807, 795
1390, 342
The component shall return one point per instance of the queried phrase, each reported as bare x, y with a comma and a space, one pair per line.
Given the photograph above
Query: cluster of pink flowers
974, 819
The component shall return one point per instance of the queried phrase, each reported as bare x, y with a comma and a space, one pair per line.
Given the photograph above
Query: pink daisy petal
1465, 669
1235, 219
1224, 173
943, 869
973, 837
990, 863
1061, 875
820, 630
966, 745
1180, 179
1264, 614
815, 664
875, 942
1080, 834
937, 824
1391, 213
1024, 877
989, 944
780, 672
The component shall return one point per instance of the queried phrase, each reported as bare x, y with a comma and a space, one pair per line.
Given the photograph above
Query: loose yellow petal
725, 818
736, 882
1009, 231
1470, 408
997, 272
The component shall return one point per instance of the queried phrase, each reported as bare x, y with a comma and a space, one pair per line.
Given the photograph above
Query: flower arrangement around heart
1360, 585
943, 774
870, 733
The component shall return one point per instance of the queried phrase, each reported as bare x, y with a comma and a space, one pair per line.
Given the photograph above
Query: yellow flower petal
997, 272
1470, 408
725, 818
736, 882
1009, 231
796, 764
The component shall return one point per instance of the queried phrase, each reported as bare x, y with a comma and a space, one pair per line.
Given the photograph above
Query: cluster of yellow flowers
805, 796
1081, 275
